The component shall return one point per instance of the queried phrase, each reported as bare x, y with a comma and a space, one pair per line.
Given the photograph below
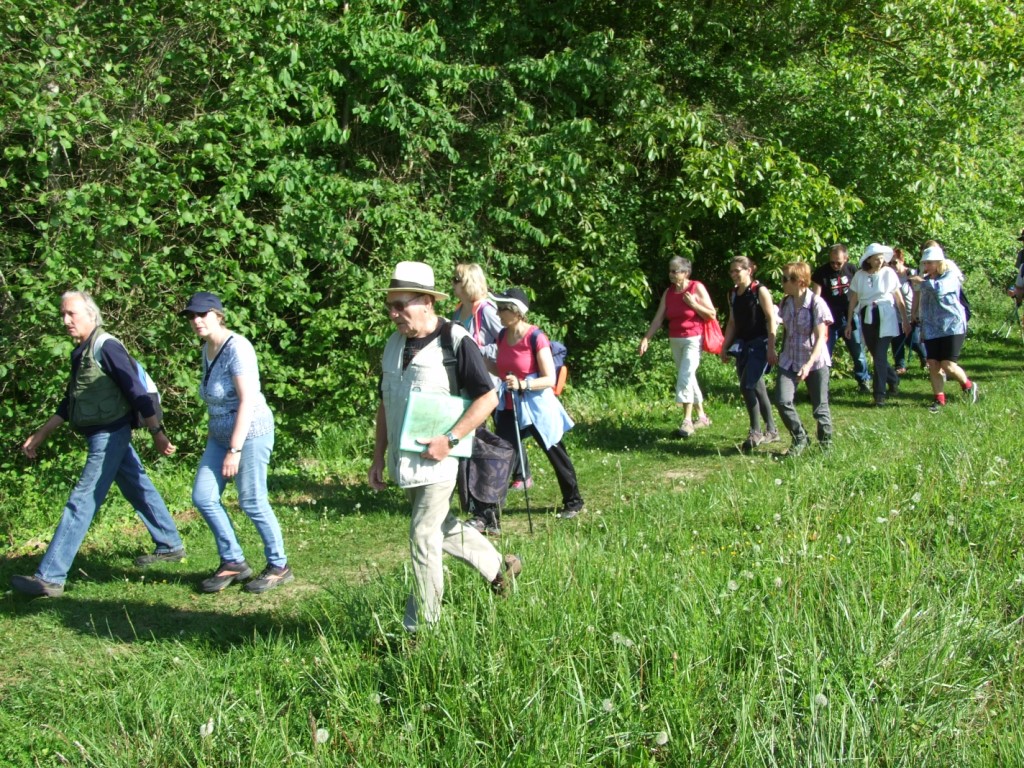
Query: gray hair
90, 304
680, 264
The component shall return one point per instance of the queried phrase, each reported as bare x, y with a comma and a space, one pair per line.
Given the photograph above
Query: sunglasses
790, 278
191, 315
456, 280
399, 306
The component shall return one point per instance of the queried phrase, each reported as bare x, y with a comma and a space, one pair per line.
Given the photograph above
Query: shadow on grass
158, 612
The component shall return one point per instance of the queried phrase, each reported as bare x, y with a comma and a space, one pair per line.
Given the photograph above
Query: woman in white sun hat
875, 296
943, 324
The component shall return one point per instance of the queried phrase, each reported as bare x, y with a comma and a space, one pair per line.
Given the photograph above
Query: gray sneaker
770, 437
226, 575
36, 587
174, 556
568, 514
972, 392
272, 577
798, 447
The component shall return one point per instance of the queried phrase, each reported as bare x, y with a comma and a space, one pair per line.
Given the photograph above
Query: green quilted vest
94, 397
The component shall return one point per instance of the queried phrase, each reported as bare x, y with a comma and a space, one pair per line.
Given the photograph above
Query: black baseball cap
201, 303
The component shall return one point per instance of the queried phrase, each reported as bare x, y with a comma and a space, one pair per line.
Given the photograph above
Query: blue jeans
251, 482
854, 346
111, 460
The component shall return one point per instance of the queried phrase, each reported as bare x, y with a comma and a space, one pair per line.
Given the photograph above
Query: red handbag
712, 337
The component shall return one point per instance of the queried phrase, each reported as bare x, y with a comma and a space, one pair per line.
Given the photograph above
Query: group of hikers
881, 306
494, 361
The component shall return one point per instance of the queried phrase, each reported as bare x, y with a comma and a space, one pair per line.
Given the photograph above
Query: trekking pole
522, 456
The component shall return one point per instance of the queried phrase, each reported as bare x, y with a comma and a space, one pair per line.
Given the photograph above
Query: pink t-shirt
683, 320
518, 359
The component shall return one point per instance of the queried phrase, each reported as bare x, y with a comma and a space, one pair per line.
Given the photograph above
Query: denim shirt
941, 312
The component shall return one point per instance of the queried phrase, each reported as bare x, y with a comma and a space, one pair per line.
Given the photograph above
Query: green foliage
287, 154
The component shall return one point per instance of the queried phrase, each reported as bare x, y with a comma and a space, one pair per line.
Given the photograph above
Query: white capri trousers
686, 353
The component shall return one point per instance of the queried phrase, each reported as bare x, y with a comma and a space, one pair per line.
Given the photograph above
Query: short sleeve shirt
800, 322
237, 358
835, 287
519, 359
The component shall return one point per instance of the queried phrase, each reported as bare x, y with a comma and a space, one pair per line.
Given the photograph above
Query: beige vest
426, 372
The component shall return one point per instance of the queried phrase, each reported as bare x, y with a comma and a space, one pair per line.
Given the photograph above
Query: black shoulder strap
451, 364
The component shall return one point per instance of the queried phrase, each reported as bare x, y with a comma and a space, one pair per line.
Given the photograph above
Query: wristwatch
157, 429
452, 440
234, 450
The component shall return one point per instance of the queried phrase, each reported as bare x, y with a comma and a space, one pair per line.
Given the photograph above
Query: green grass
856, 607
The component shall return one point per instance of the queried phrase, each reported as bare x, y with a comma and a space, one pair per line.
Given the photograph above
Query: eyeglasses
400, 306
677, 272
790, 278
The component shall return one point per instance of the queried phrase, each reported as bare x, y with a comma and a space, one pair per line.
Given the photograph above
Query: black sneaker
568, 514
226, 575
511, 566
271, 578
175, 556
935, 406
36, 587
863, 388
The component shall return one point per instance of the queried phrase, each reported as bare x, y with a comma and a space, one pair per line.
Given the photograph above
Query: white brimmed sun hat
876, 249
933, 253
414, 277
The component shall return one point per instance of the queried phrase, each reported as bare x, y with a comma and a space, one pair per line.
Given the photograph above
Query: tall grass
860, 606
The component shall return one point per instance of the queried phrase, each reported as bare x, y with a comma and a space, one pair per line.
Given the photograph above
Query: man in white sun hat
414, 359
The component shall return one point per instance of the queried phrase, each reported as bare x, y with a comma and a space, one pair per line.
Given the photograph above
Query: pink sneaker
703, 421
519, 485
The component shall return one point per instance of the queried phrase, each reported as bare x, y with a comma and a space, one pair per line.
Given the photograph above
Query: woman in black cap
527, 370
238, 447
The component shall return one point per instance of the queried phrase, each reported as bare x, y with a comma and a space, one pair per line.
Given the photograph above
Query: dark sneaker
511, 566
33, 585
935, 406
770, 437
271, 578
892, 388
863, 388
686, 429
226, 575
175, 556
477, 524
568, 514
493, 531
798, 447
754, 439
879, 402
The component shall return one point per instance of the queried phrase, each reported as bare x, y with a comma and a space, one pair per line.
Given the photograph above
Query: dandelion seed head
777, 517
661, 739
778, 582
206, 729
821, 700
733, 586
881, 519
607, 705
916, 498
778, 481
375, 698
950, 521
322, 735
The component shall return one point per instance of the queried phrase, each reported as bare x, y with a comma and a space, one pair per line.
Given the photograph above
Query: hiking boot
893, 387
511, 566
477, 524
174, 556
686, 428
226, 575
702, 422
494, 531
522, 485
273, 576
754, 439
972, 392
798, 447
879, 402
770, 437
36, 587
565, 513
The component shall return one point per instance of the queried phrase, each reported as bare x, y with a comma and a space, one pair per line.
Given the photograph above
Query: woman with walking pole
527, 370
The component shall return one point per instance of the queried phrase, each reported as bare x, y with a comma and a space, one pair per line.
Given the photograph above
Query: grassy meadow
856, 607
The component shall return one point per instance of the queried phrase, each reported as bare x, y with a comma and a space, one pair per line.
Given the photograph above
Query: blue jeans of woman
111, 460
251, 482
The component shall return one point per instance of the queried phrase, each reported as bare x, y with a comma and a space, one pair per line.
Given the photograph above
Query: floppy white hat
876, 249
933, 253
414, 277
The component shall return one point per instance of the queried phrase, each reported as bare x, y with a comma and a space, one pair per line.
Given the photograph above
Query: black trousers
557, 456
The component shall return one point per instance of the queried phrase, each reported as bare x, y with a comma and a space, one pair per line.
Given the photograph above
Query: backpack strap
451, 363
